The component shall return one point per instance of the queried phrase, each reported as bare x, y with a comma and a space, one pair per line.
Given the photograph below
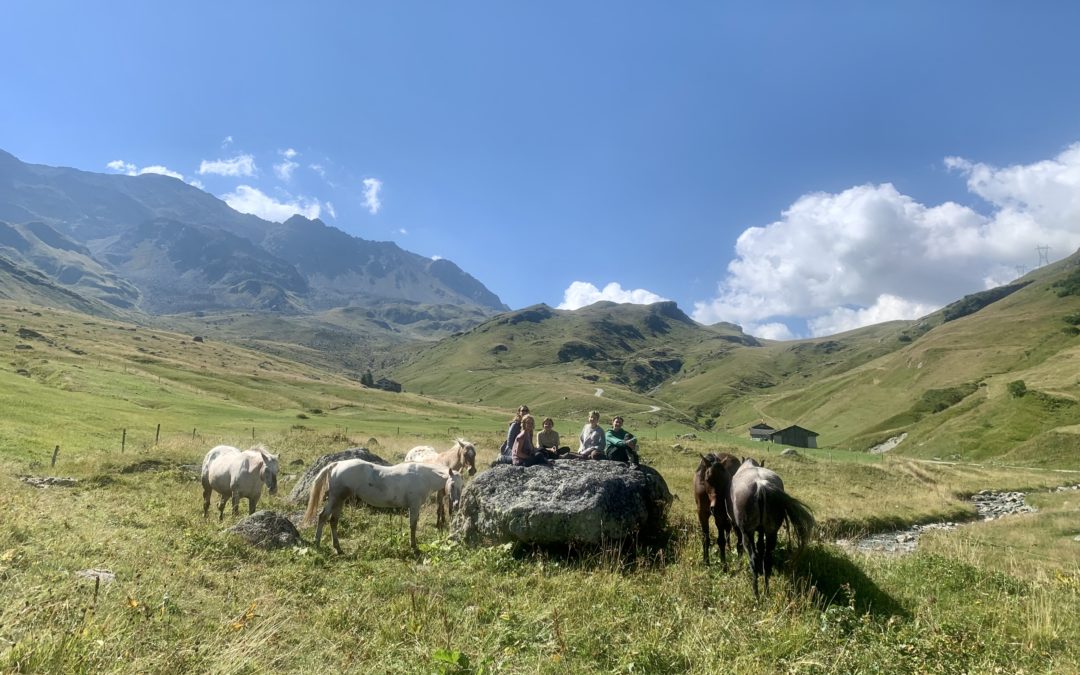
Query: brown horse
712, 492
761, 506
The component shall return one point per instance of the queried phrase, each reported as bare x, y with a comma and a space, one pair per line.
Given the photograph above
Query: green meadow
999, 596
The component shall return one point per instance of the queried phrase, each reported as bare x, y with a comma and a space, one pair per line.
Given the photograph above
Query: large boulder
565, 502
302, 490
267, 529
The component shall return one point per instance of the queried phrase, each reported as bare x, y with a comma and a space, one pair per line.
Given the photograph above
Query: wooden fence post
123, 440
55, 452
157, 434
192, 433
252, 433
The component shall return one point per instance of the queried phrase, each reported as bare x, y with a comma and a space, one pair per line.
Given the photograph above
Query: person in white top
592, 439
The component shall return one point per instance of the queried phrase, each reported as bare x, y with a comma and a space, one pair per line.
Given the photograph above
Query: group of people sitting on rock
519, 449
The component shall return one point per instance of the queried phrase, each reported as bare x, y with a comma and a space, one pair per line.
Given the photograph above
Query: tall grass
189, 597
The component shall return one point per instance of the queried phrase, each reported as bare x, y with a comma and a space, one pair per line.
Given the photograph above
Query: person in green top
621, 444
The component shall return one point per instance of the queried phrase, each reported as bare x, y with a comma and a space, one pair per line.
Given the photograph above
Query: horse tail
318, 489
799, 515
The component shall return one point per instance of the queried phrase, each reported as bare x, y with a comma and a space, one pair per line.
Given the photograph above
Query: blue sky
799, 169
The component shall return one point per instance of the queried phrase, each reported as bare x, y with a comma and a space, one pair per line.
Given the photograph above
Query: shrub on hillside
969, 304
1070, 285
1017, 388
936, 400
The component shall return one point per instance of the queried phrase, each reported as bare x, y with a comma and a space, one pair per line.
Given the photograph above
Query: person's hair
529, 418
546, 420
617, 417
594, 413
522, 410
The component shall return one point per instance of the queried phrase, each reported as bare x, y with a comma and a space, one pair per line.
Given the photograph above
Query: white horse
406, 485
238, 473
462, 454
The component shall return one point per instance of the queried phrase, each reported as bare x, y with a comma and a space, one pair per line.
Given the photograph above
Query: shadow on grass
627, 555
836, 580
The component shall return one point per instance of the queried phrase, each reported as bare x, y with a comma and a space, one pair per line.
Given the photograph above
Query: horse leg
759, 560
207, 491
703, 518
221, 506
334, 518
235, 503
721, 535
748, 544
770, 546
414, 516
440, 517
252, 503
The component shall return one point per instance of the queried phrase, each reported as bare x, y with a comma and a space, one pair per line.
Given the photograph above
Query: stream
990, 505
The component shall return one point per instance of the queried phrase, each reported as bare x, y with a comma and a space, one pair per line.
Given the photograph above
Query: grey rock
300, 492
790, 452
267, 529
49, 481
567, 501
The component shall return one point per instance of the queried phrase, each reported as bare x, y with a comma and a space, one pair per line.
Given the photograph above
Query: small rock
790, 452
267, 529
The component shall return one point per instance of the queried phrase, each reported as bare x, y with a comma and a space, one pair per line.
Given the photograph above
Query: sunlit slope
948, 387
561, 358
69, 377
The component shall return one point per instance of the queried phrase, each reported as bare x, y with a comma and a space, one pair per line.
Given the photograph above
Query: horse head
468, 455
454, 484
269, 470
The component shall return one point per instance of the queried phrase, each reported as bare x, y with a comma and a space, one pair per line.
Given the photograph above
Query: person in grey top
592, 439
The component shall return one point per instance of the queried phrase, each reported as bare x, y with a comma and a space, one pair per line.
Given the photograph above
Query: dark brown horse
712, 491
761, 506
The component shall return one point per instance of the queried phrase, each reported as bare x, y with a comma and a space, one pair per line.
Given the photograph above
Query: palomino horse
462, 454
406, 485
760, 505
238, 473
712, 492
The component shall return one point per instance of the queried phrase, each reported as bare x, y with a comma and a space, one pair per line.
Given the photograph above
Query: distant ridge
166, 247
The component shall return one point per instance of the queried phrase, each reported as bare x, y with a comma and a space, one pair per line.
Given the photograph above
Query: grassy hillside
949, 387
188, 597
943, 380
79, 381
561, 359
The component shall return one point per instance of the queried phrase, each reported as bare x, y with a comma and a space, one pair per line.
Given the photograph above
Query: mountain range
993, 374
157, 245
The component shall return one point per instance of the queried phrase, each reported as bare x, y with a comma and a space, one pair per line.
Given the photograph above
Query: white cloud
318, 168
886, 308
285, 169
158, 169
247, 199
241, 165
582, 293
436, 257
330, 209
125, 167
372, 186
871, 254
132, 170
226, 142
770, 331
